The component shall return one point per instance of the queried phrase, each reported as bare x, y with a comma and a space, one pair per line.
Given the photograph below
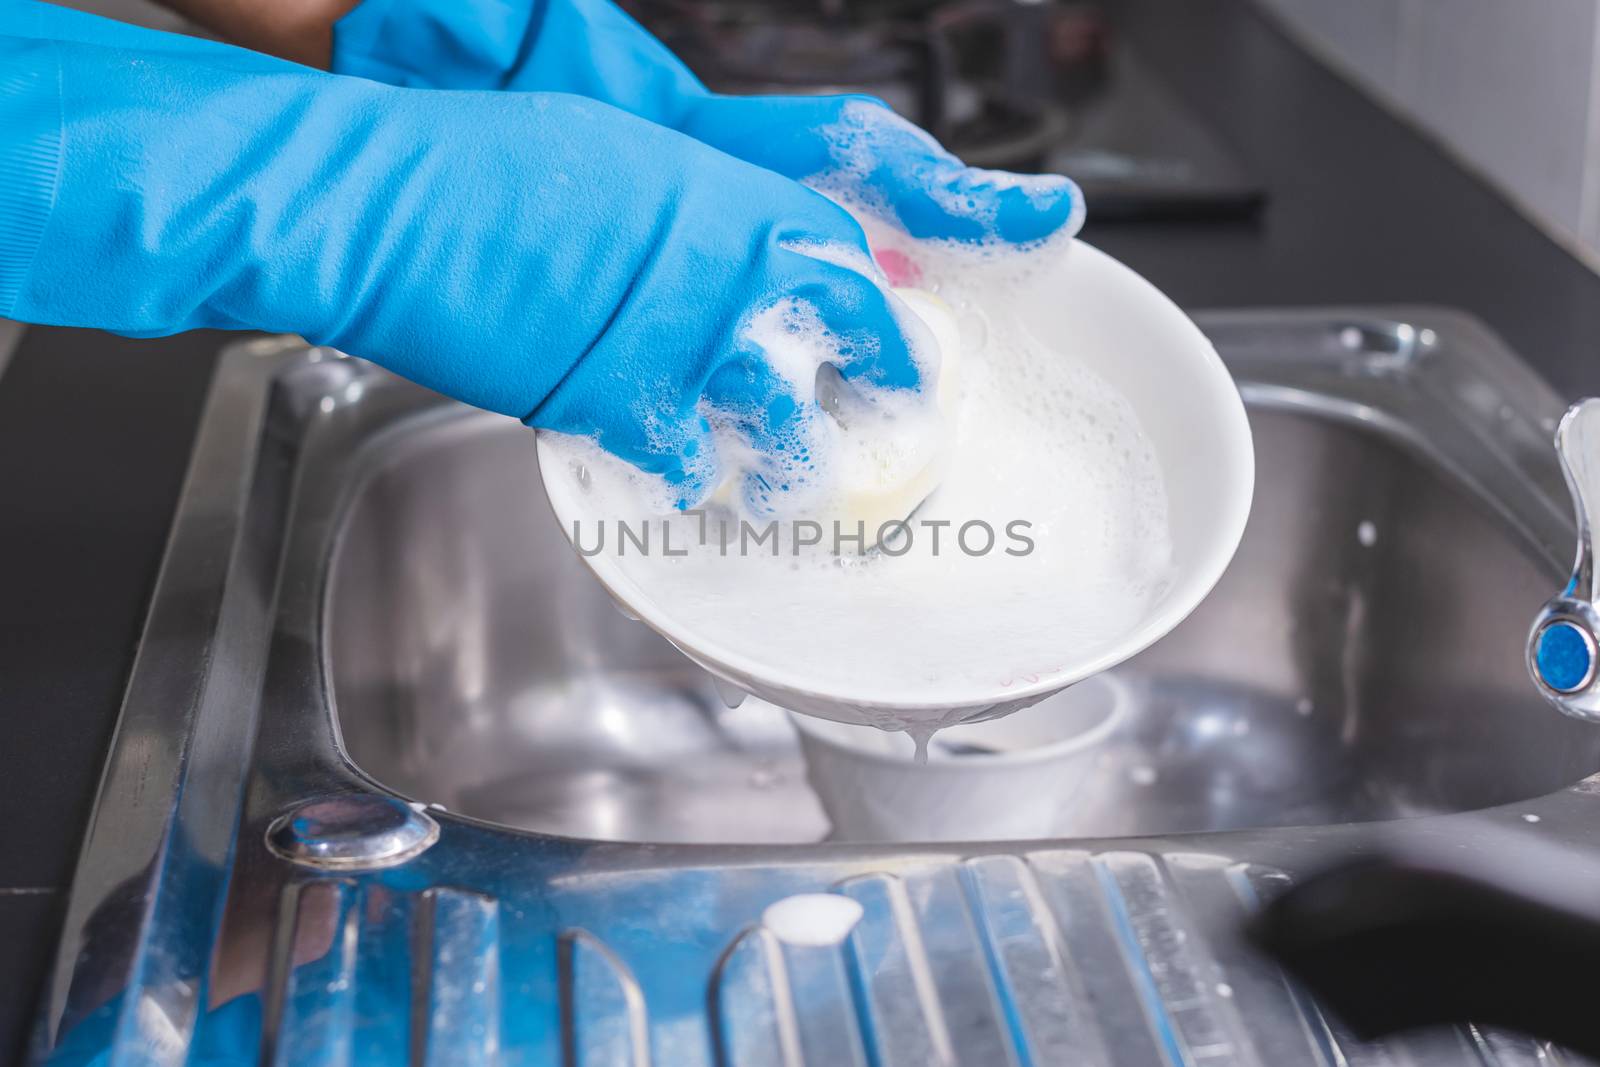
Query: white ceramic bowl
1128, 333
1030, 767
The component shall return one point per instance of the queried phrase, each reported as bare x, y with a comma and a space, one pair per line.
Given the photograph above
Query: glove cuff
30, 156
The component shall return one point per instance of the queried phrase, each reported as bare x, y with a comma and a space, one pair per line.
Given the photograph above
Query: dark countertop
95, 430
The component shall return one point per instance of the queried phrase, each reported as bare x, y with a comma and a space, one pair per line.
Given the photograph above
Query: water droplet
1142, 775
1530, 817
1367, 533
1224, 989
731, 695
1304, 706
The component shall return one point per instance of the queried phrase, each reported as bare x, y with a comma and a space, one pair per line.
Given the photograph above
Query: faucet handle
1564, 644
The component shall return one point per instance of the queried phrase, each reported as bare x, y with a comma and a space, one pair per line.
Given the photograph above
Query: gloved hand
852, 146
540, 255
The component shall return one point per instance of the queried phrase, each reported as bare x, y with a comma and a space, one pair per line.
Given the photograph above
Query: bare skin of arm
298, 30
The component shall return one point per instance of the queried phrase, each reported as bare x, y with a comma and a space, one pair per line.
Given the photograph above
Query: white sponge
894, 460
890, 455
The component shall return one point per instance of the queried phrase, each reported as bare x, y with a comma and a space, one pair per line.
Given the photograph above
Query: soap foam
868, 139
1036, 438
792, 474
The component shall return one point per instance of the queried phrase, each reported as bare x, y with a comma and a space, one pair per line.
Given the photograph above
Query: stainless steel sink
395, 782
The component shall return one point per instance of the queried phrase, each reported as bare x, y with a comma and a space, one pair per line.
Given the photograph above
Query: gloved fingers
690, 468
947, 200
747, 416
857, 150
663, 434
772, 420
894, 167
840, 311
835, 310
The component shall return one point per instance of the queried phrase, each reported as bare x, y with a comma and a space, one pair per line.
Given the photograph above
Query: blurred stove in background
1011, 84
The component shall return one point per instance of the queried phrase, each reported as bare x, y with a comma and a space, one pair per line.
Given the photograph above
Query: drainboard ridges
1187, 1003
1252, 886
967, 986
1477, 1046
455, 1012
1042, 997
338, 945
309, 1014
1496, 1048
752, 1012
603, 1020
896, 995
775, 1003
1155, 945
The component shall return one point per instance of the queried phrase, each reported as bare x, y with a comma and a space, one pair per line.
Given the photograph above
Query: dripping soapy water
731, 695
921, 734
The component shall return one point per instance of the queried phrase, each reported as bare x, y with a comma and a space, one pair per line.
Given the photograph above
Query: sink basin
1360, 660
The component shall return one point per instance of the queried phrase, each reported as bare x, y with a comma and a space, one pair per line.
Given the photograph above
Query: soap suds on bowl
1045, 542
812, 920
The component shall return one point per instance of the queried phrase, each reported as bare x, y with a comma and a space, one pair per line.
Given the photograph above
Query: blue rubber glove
850, 145
541, 255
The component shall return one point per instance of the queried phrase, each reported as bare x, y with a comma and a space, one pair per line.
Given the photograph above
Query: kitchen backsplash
1512, 87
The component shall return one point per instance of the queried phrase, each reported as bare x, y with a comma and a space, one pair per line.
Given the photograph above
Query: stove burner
1024, 85
983, 76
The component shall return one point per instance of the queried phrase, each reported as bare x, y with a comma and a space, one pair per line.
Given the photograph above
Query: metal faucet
1564, 644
